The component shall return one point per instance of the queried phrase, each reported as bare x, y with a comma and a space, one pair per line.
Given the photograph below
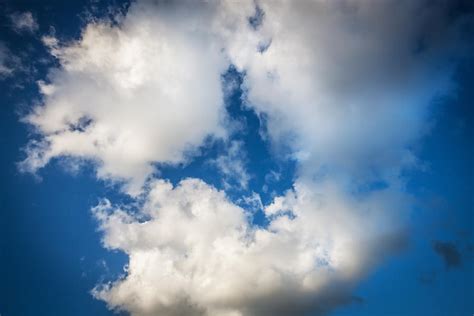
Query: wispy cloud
5, 61
231, 165
23, 22
10, 64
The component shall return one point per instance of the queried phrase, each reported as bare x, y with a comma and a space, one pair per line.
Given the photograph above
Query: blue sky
370, 142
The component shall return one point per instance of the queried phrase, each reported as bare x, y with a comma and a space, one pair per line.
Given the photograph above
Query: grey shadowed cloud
448, 252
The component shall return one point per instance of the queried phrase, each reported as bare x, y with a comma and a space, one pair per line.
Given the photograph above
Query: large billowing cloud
346, 85
127, 96
193, 252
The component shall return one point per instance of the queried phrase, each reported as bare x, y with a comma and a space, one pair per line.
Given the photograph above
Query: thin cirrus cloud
345, 85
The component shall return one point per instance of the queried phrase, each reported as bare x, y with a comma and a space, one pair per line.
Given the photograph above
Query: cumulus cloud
345, 85
348, 84
23, 22
193, 252
145, 91
126, 97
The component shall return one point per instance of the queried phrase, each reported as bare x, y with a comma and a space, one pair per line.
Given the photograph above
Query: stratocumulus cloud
346, 86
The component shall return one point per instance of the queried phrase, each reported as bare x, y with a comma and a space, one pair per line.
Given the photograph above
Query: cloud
232, 166
193, 251
346, 86
23, 22
145, 91
338, 80
129, 96
5, 57
448, 252
10, 65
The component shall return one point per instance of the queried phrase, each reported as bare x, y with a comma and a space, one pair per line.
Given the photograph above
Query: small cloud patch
23, 22
448, 252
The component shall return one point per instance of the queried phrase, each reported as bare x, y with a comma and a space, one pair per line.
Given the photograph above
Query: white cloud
129, 96
193, 251
252, 202
348, 84
232, 166
23, 22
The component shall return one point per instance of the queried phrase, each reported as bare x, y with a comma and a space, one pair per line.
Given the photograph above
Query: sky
236, 158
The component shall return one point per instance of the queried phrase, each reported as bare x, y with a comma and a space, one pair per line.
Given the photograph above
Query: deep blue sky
50, 250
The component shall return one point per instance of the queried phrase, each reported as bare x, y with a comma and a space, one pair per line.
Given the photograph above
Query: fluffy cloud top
193, 252
128, 96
